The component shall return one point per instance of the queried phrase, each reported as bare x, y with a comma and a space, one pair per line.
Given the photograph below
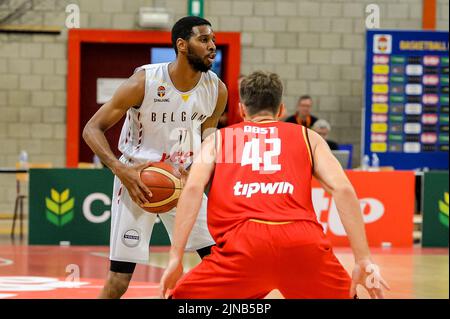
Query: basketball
164, 182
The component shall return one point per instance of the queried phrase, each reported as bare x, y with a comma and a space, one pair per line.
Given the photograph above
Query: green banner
74, 205
196, 8
435, 210
397, 98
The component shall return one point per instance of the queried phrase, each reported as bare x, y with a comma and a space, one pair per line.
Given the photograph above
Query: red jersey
263, 171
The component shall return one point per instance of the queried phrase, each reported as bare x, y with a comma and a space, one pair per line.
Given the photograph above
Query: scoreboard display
407, 98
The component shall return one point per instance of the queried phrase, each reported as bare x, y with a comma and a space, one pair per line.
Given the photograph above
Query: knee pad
123, 267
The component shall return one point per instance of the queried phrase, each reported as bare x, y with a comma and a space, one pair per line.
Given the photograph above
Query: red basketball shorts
256, 257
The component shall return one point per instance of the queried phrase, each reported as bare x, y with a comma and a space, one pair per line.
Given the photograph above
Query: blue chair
347, 147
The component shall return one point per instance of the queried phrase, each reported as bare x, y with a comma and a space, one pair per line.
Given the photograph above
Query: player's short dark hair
304, 97
261, 91
183, 29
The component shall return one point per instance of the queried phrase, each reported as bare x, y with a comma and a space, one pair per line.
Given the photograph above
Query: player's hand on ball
171, 275
184, 175
367, 274
130, 178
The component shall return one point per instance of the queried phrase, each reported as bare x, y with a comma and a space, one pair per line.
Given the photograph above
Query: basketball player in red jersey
260, 211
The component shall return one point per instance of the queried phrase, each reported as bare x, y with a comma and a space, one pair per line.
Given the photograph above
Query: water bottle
23, 159
366, 162
97, 162
375, 162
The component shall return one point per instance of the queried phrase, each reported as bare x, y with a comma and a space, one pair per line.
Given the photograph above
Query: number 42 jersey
263, 171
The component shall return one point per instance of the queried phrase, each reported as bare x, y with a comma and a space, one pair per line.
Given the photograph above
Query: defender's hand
367, 274
171, 275
184, 175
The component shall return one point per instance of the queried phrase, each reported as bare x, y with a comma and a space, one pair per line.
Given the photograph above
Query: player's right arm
187, 210
129, 94
329, 172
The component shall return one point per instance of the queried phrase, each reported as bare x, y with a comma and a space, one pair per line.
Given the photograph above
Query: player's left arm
333, 178
187, 210
211, 123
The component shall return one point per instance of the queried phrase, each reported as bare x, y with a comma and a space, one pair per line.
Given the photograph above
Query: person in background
303, 115
323, 128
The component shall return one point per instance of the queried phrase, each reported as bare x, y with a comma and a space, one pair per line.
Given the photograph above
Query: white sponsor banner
411, 147
412, 128
414, 69
413, 89
413, 108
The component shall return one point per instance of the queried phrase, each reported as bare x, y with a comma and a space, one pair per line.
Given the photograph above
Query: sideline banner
435, 210
74, 205
387, 204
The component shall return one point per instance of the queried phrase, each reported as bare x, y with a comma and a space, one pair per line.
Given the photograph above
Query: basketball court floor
78, 272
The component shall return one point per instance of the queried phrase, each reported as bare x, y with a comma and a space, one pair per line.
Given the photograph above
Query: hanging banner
407, 98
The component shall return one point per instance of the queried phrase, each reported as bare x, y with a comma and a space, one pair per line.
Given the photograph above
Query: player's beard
197, 63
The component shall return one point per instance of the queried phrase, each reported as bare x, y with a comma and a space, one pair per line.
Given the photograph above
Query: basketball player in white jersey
167, 107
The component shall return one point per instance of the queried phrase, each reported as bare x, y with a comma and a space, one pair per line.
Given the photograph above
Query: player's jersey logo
248, 190
161, 91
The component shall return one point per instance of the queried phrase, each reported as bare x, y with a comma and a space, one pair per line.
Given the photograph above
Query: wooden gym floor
79, 271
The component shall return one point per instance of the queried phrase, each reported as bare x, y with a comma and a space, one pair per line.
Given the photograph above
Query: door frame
231, 66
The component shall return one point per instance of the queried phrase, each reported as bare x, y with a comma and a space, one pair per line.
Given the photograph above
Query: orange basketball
164, 182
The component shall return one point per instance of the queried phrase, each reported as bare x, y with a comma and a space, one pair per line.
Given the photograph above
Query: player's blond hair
261, 91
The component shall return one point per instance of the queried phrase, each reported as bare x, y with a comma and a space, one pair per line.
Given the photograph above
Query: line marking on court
132, 287
4, 296
105, 255
5, 262
149, 264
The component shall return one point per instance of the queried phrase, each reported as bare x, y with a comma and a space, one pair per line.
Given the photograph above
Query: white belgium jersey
167, 126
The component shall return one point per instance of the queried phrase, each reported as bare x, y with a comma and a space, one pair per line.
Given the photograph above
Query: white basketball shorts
131, 228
